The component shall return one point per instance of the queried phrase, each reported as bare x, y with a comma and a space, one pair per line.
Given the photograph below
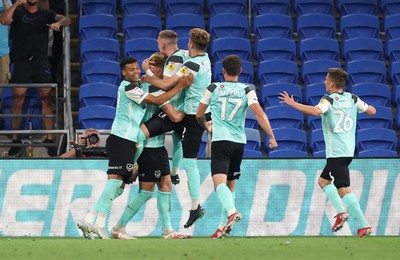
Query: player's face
131, 72
328, 83
32, 2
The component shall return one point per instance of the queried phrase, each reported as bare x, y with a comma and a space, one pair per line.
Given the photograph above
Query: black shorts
160, 124
153, 164
121, 154
226, 158
191, 138
337, 169
36, 70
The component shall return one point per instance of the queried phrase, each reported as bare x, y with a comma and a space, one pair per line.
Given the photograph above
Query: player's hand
272, 143
286, 99
208, 126
143, 79
186, 80
55, 26
145, 64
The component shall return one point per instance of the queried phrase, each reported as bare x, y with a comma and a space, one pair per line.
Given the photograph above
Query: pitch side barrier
277, 197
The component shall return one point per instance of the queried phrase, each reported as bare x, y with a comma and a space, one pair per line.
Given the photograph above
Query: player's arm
289, 100
165, 83
173, 114
7, 16
363, 107
203, 105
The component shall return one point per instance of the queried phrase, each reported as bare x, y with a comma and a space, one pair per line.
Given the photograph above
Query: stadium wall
276, 198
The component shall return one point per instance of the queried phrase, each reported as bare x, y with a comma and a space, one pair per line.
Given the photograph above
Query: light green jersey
339, 120
228, 102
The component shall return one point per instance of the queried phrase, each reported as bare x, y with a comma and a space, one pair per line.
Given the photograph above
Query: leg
177, 156
16, 108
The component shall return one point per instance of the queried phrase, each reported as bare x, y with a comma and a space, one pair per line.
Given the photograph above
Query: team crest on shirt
171, 66
157, 174
184, 70
129, 167
336, 98
222, 86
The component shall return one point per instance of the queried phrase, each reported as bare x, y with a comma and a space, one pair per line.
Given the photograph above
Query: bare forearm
164, 84
6, 18
266, 126
6, 5
63, 20
310, 110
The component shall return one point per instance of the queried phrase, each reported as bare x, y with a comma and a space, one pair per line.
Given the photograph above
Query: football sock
134, 206
333, 196
103, 204
353, 207
119, 192
163, 206
177, 154
141, 139
101, 219
224, 215
193, 179
91, 216
225, 197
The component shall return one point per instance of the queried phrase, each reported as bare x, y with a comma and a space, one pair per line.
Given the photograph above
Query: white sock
167, 230
231, 211
101, 220
91, 216
195, 204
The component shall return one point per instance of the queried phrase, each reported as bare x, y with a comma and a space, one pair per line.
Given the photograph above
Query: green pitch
307, 248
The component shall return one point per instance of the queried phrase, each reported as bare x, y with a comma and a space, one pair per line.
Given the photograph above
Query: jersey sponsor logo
157, 174
184, 70
322, 101
129, 167
171, 66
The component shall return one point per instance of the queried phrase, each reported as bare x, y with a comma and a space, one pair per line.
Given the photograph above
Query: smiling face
131, 72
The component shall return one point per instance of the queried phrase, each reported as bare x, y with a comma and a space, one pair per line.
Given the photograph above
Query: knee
322, 182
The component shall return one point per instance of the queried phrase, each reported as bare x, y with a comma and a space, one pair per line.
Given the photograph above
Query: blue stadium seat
389, 7
98, 7
96, 26
272, 25
313, 93
317, 143
269, 94
313, 122
98, 117
376, 142
362, 48
345, 7
359, 25
130, 7
275, 49
253, 139
174, 7
98, 94
374, 94
230, 45
363, 71
228, 25
203, 145
394, 73
251, 119
140, 48
183, 23
101, 71
382, 119
99, 49
318, 49
316, 25
314, 71
252, 154
247, 75
260, 7
392, 50
141, 26
398, 118
302, 7
273, 71
216, 7
391, 26
183, 43
284, 116
291, 143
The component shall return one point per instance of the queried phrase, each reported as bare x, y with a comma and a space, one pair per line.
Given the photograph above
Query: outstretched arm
310, 110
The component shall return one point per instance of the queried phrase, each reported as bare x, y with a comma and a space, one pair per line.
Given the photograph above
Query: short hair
232, 65
159, 59
127, 60
169, 36
200, 38
338, 77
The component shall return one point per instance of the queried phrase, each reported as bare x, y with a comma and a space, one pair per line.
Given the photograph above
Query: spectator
30, 26
4, 49
88, 145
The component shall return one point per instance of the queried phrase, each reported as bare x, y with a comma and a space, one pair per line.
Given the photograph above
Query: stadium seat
96, 26
130, 7
216, 7
183, 23
230, 45
390, 7
362, 48
260, 7
313, 122
98, 94
374, 94
382, 119
391, 26
313, 93
228, 25
317, 143
273, 71
275, 49
269, 94
314, 71
318, 49
253, 139
376, 142
141, 26
272, 25
394, 73
247, 75
183, 43
140, 48
252, 154
97, 117
345, 7
316, 26
284, 116
174, 7
398, 118
302, 7
359, 25
101, 71
99, 49
291, 143
392, 50
98, 7
363, 71
251, 119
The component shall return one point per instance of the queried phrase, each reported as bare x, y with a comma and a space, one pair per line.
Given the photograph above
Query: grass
307, 248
